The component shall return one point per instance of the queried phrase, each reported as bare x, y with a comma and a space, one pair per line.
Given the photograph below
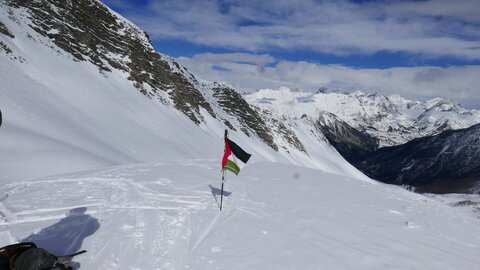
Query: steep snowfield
166, 216
392, 119
139, 184
70, 118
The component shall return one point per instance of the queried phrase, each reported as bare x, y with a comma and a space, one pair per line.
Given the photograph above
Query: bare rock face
234, 104
4, 30
352, 144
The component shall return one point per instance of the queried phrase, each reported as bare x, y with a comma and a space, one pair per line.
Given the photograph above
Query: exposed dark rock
234, 104
5, 48
352, 144
4, 30
289, 135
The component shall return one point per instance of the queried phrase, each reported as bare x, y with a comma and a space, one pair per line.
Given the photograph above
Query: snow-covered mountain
392, 119
448, 162
109, 146
357, 124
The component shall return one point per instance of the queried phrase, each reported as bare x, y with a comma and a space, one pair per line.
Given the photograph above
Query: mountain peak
442, 104
325, 90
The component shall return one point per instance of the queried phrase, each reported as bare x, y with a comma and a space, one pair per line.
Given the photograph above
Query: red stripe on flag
227, 153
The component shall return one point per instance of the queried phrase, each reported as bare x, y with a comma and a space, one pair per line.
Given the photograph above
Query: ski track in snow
150, 220
147, 219
166, 216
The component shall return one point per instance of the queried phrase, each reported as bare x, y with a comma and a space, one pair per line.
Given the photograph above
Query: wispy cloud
435, 28
460, 84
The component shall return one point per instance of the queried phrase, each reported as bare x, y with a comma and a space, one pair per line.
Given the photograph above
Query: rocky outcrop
4, 30
234, 104
352, 144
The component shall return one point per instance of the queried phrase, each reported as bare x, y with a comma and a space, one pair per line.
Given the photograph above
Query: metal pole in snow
223, 173
221, 197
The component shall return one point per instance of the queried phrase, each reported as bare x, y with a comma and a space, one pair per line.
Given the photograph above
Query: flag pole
221, 197
223, 174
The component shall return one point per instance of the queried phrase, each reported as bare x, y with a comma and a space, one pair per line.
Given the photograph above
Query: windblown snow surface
276, 216
88, 162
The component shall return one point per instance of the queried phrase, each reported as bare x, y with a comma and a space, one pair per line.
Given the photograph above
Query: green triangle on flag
234, 157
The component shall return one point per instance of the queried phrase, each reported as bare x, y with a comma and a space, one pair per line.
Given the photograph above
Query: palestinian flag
234, 157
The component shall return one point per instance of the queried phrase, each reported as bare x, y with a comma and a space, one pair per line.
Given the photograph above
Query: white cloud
431, 28
460, 84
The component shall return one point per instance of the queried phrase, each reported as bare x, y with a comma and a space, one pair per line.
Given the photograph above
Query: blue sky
418, 49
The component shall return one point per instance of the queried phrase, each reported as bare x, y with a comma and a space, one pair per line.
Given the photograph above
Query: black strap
24, 244
77, 253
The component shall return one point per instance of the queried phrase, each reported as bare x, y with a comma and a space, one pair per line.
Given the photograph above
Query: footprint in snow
216, 249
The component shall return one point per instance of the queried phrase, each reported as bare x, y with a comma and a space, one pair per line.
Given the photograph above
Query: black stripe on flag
238, 152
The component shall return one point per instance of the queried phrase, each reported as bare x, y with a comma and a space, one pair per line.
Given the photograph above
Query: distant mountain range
392, 120
432, 145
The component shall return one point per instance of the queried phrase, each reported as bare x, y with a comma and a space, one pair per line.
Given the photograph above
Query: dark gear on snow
26, 256
9, 253
33, 259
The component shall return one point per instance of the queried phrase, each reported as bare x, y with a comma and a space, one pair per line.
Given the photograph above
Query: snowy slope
166, 216
392, 119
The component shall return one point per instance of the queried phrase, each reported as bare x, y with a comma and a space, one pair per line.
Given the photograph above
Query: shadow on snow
66, 236
217, 192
